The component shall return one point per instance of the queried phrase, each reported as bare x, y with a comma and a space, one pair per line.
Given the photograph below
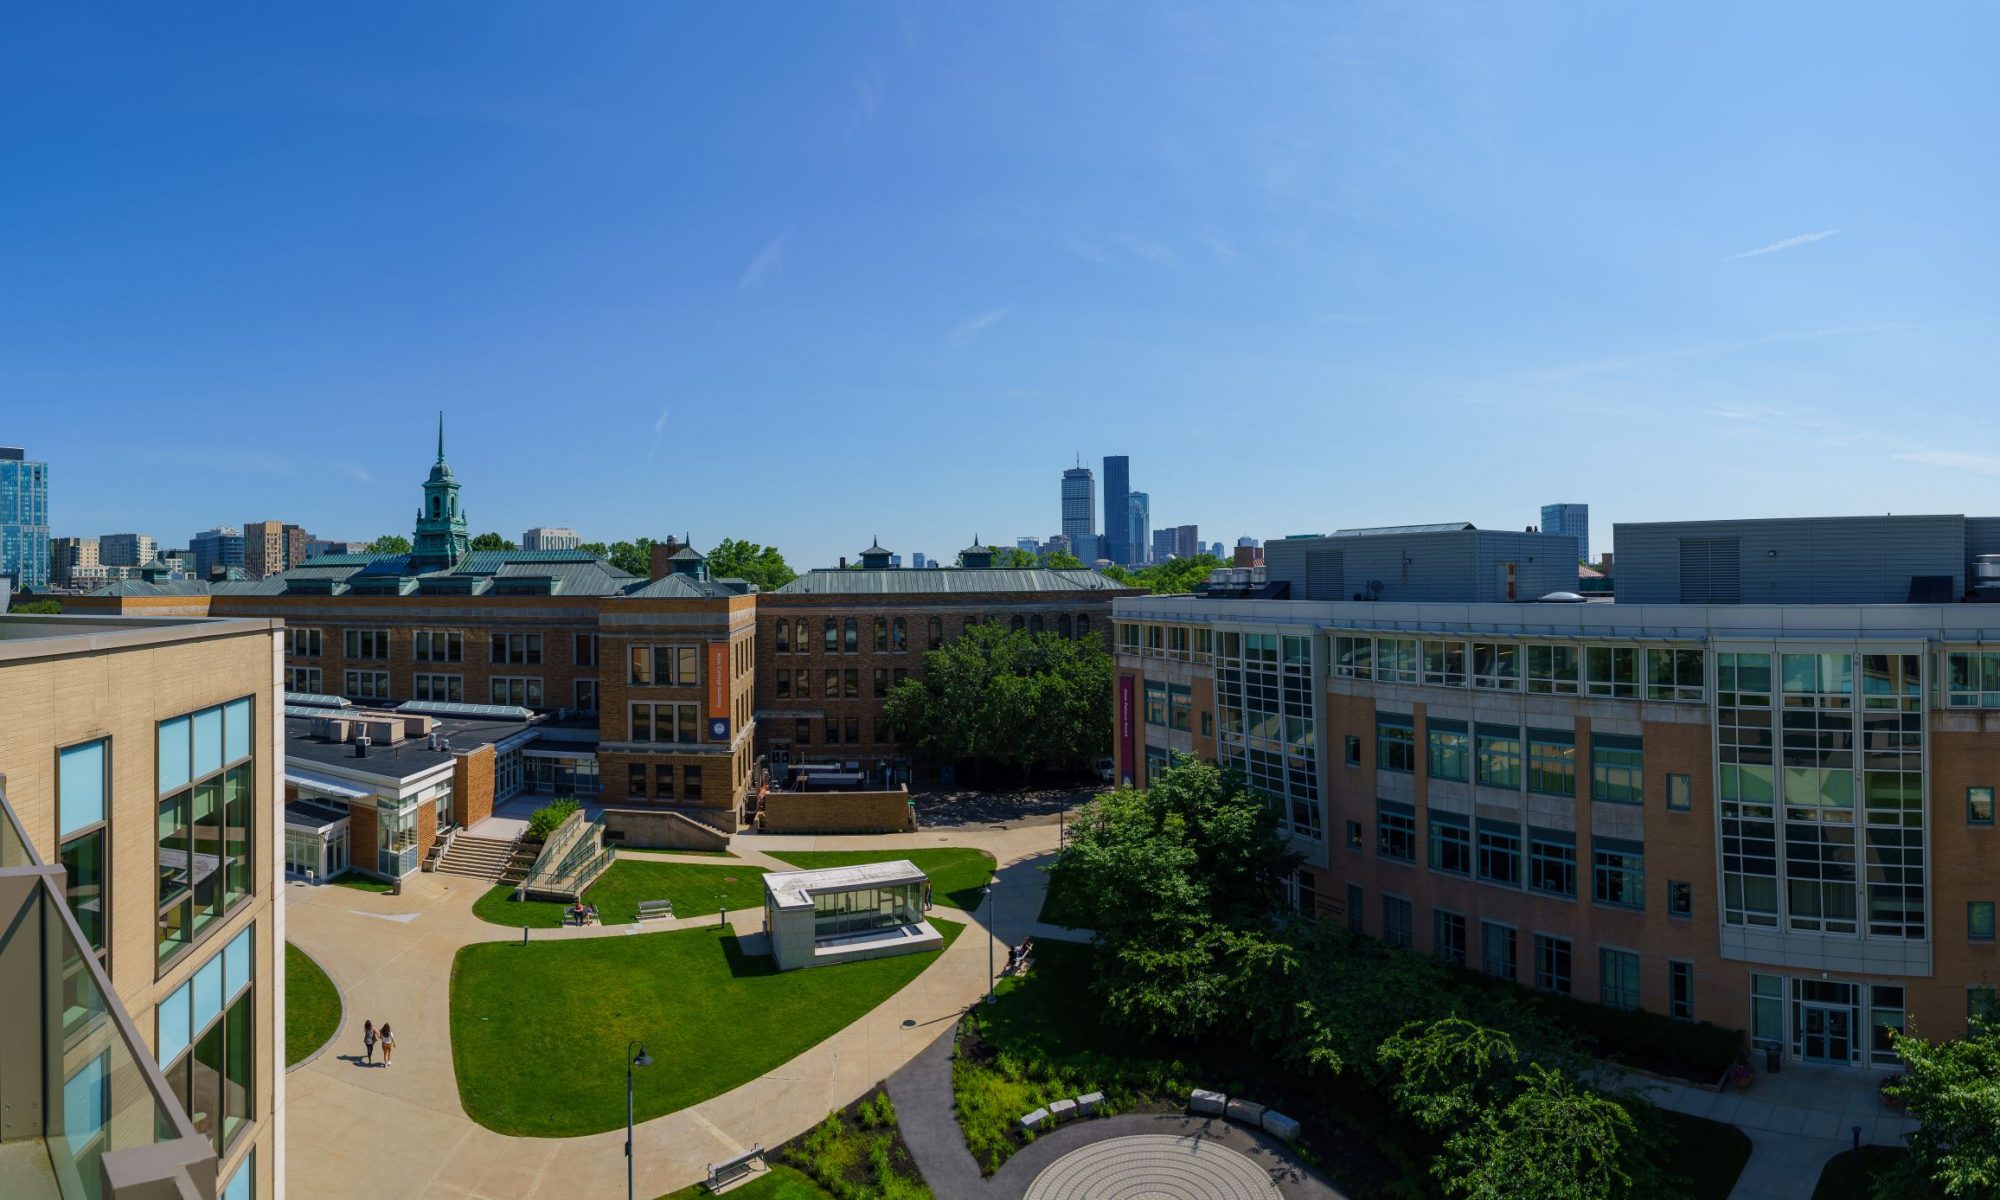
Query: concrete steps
491, 859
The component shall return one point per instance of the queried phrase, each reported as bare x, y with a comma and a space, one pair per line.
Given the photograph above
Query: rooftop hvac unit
1986, 571
361, 745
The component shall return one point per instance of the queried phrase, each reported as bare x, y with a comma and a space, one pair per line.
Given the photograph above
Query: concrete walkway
402, 1132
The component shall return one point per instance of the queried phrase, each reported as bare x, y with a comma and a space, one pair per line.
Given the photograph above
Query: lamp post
641, 1059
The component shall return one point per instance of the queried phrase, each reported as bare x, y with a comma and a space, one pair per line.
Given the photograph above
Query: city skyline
1332, 227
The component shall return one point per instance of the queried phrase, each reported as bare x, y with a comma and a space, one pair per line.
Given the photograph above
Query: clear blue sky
813, 272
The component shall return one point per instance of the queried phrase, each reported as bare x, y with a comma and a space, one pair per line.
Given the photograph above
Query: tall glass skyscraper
1079, 503
1138, 526
1117, 489
24, 519
1573, 519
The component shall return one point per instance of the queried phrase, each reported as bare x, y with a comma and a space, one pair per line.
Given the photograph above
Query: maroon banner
1126, 730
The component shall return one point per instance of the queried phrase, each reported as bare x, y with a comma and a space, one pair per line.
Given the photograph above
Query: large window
1552, 670
1674, 675
1444, 663
1264, 705
517, 649
1552, 762
1448, 937
440, 645
207, 1042
1499, 853
1156, 703
1552, 964
83, 784
1617, 769
585, 649
1979, 920
1396, 831
204, 829
1979, 805
1767, 1010
1496, 665
1497, 752
1680, 990
365, 685
1396, 921
844, 914
1618, 978
1451, 843
1497, 942
1450, 750
850, 636
522, 691
1395, 743
1971, 680
303, 679
1611, 671
665, 723
1180, 706
1618, 873
438, 688
666, 666
1552, 862
365, 643
302, 643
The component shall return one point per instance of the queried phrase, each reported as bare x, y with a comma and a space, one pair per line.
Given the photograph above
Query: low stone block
1247, 1112
1207, 1103
1088, 1104
1062, 1110
1278, 1125
1034, 1120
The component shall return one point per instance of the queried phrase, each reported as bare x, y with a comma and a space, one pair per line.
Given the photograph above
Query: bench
731, 1170
648, 909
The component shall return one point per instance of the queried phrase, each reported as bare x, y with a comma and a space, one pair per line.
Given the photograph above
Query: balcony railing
84, 1112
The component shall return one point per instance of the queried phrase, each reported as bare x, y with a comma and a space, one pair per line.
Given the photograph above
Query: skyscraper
218, 547
1138, 520
1079, 502
24, 519
551, 537
1187, 540
1118, 546
1573, 519
126, 549
1163, 545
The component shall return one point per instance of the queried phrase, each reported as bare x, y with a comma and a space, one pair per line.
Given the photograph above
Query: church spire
440, 435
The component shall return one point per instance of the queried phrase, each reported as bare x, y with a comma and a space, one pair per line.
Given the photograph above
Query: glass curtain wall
840, 914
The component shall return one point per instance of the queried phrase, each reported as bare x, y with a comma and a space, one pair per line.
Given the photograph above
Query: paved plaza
1153, 1167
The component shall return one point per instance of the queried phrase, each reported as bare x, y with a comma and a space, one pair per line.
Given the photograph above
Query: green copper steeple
441, 538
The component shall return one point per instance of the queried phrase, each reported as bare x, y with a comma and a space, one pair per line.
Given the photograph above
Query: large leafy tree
1009, 697
1062, 560
1173, 576
1953, 1090
634, 558
761, 565
1553, 1140
390, 543
1184, 879
491, 541
38, 608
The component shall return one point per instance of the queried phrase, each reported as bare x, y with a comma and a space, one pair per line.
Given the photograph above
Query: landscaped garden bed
539, 1031
696, 889
957, 874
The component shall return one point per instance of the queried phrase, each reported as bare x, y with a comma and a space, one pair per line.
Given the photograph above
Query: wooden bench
722, 1174
648, 909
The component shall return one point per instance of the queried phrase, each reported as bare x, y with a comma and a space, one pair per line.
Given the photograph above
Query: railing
76, 1080
561, 841
570, 884
573, 856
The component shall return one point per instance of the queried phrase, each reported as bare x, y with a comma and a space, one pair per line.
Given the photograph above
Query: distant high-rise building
1138, 522
126, 549
1215, 548
1163, 545
1247, 541
1573, 519
218, 547
24, 519
551, 537
1187, 540
315, 547
917, 559
1079, 501
1031, 545
1088, 547
73, 560
1118, 546
264, 548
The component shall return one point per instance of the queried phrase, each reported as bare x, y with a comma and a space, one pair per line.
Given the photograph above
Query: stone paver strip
1153, 1165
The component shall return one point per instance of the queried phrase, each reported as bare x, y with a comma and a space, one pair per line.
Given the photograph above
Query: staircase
496, 860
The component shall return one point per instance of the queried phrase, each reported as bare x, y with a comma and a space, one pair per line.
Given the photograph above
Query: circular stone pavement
1153, 1167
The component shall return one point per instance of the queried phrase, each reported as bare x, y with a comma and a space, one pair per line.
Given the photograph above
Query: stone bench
1245, 1112
1088, 1104
1280, 1126
1062, 1110
1206, 1103
1034, 1120
649, 909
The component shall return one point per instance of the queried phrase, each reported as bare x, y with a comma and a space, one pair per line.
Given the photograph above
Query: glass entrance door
1826, 1034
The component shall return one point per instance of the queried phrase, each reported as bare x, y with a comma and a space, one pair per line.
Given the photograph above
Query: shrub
548, 817
1697, 1051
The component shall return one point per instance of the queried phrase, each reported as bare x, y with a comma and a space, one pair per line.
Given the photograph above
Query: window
1496, 665
1680, 898
517, 649
1552, 762
1618, 978
850, 682
1180, 704
1767, 1010
1451, 843
1156, 703
1979, 920
666, 666
243, 1184
1680, 793
1497, 753
1448, 937
937, 632
1498, 944
880, 688
1396, 660
691, 782
802, 731
438, 688
1886, 1018
899, 635
1396, 831
1395, 743
1617, 769
1552, 670
832, 684
1674, 675
586, 695
896, 676
1444, 662
1971, 680
439, 645
1355, 922
881, 642
365, 643
83, 777
833, 731
1618, 873
782, 644
519, 690
1448, 749
1611, 671
1552, 862
1208, 724
204, 817
635, 780
1499, 853
784, 681
1354, 835
302, 643
1680, 990
207, 1043
1982, 1003
1552, 964
302, 679
853, 730
585, 649
1354, 657
1979, 806
830, 636
801, 641
1352, 750
665, 723
663, 781
1396, 921
850, 636
365, 685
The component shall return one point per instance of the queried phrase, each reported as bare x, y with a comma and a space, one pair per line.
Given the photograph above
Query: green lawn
780, 1183
957, 874
1062, 906
538, 1032
1709, 1153
1849, 1178
696, 853
695, 888
312, 1006
363, 883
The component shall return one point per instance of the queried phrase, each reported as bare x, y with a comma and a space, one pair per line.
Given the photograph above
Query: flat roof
411, 756
25, 635
795, 889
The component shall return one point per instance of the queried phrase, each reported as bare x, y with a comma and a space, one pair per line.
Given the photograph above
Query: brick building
1777, 817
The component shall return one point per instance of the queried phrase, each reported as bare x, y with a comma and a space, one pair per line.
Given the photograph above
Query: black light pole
641, 1059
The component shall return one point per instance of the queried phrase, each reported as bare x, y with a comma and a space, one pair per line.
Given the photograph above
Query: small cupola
875, 558
975, 556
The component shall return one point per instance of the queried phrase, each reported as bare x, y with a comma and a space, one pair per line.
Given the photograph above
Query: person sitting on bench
577, 912
1017, 956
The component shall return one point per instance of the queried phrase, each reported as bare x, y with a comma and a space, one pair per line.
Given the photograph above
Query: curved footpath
402, 1132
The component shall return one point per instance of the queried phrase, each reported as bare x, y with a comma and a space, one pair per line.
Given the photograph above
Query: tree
390, 543
1953, 1090
37, 608
1184, 878
633, 558
1011, 697
597, 548
761, 565
491, 541
1554, 1140
1062, 560
1014, 558
1449, 1073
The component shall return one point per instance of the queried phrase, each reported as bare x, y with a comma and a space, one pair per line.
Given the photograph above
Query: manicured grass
780, 1183
312, 1006
363, 883
1847, 1177
1709, 1153
1061, 905
538, 1032
957, 874
696, 890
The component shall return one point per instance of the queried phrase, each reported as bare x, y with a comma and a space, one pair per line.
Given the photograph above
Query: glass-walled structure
838, 914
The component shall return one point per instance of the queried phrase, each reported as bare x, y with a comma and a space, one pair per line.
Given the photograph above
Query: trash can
1772, 1059
395, 887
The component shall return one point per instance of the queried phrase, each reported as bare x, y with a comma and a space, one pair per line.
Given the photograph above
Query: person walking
388, 1045
368, 1043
